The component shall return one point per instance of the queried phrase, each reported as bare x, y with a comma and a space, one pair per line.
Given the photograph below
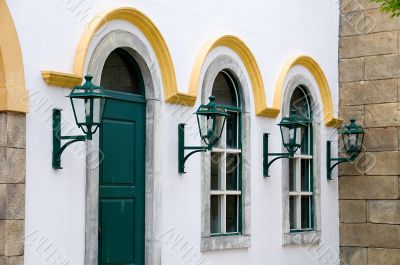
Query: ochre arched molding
13, 94
322, 83
248, 59
146, 26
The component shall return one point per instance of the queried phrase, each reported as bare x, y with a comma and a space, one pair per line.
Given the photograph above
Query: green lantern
88, 103
211, 120
292, 129
353, 138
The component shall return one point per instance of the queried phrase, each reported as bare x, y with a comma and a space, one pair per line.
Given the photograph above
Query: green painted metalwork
122, 180
58, 149
92, 99
294, 124
209, 132
353, 138
181, 149
290, 127
266, 155
215, 114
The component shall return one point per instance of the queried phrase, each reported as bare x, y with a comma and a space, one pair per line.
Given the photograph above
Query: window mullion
298, 205
298, 189
223, 188
223, 214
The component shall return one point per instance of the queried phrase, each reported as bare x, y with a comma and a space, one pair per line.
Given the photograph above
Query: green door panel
117, 231
122, 179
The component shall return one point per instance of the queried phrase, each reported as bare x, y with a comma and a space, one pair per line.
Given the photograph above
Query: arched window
121, 73
301, 194
226, 161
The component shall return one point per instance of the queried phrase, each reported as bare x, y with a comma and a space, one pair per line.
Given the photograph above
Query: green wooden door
122, 176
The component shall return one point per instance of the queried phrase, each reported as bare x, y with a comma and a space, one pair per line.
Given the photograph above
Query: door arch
147, 63
122, 168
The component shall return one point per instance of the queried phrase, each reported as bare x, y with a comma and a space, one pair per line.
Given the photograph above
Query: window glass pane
121, 73
232, 130
215, 214
232, 169
292, 174
306, 212
305, 175
300, 102
224, 90
232, 213
305, 147
293, 212
215, 171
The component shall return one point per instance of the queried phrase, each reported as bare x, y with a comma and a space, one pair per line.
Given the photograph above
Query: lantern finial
88, 78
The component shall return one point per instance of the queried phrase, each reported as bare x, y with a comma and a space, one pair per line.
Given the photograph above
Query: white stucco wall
49, 32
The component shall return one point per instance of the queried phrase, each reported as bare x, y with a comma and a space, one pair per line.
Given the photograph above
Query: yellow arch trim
248, 59
13, 95
146, 26
322, 83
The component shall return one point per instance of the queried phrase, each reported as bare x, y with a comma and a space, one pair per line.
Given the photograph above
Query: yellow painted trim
58, 79
248, 59
153, 35
322, 83
13, 94
148, 28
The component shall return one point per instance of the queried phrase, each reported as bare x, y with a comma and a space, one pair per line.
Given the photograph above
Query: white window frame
243, 240
223, 192
303, 237
299, 193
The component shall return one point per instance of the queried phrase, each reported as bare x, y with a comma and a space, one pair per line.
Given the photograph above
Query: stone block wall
12, 188
369, 76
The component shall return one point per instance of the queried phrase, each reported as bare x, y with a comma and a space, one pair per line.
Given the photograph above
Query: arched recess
248, 59
13, 94
153, 35
311, 65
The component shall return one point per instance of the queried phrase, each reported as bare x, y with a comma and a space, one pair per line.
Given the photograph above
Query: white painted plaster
275, 31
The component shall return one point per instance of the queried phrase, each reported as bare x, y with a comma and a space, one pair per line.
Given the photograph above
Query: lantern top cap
352, 128
211, 109
294, 120
88, 90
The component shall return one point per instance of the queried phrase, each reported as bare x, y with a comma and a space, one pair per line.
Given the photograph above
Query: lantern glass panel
211, 126
285, 135
98, 109
202, 124
79, 108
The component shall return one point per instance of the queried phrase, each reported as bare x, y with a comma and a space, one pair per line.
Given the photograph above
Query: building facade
368, 189
119, 198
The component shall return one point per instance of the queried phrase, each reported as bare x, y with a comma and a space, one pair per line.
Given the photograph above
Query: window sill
302, 238
225, 242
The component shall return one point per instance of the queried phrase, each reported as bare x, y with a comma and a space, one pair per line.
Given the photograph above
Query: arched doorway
122, 169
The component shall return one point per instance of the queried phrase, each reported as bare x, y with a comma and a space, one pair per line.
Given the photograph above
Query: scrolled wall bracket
181, 149
330, 159
266, 155
58, 149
